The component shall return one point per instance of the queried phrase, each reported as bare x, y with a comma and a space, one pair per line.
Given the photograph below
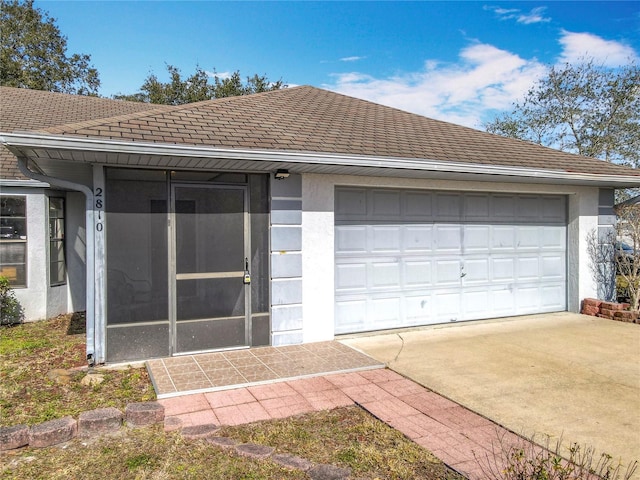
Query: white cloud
484, 79
577, 46
352, 59
220, 75
482, 82
534, 16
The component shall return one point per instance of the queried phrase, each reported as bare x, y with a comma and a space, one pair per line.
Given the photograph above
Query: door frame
172, 245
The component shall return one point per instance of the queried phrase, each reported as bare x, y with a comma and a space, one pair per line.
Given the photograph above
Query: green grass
29, 351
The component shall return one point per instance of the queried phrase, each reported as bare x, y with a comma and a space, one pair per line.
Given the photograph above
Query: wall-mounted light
281, 174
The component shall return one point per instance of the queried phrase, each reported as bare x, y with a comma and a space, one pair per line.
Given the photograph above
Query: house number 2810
99, 206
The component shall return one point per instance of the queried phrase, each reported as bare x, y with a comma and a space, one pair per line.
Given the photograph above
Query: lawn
346, 437
29, 393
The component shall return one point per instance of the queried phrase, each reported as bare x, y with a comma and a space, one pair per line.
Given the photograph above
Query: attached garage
415, 257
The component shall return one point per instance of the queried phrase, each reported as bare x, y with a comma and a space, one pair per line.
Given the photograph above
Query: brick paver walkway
448, 430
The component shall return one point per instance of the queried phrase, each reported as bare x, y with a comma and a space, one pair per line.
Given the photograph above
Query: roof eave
23, 144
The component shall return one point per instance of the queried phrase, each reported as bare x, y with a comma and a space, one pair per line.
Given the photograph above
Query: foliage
522, 459
614, 257
33, 53
584, 108
627, 263
11, 312
197, 87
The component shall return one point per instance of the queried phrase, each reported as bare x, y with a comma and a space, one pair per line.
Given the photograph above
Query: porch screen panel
137, 264
259, 217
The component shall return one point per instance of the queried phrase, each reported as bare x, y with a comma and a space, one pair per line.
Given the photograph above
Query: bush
11, 312
522, 459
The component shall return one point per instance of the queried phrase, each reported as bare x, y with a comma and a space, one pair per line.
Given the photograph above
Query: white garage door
412, 257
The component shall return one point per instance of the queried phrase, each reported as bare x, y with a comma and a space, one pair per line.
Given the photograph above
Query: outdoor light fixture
281, 174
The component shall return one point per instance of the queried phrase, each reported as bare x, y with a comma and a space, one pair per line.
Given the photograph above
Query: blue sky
457, 61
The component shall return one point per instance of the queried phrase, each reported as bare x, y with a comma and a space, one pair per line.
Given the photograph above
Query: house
299, 214
42, 227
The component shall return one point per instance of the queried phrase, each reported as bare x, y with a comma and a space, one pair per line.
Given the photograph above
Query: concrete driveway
558, 374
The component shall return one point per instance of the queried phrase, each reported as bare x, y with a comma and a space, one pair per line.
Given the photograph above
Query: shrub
11, 312
522, 459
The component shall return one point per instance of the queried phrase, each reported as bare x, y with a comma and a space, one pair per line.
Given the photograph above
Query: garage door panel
385, 311
385, 239
553, 238
503, 300
528, 238
476, 304
448, 239
448, 207
527, 299
503, 269
477, 239
417, 273
351, 239
384, 275
477, 208
406, 257
353, 315
351, 277
554, 210
418, 206
528, 208
476, 270
553, 296
447, 272
527, 269
553, 267
351, 203
503, 208
447, 306
385, 204
418, 309
503, 238
418, 238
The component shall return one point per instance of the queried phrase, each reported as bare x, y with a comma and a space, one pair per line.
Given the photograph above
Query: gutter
16, 141
90, 250
5, 182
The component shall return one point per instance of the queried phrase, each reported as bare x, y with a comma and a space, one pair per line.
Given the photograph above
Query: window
57, 264
13, 239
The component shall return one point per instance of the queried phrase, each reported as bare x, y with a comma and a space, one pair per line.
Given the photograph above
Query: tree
33, 53
197, 87
584, 108
627, 252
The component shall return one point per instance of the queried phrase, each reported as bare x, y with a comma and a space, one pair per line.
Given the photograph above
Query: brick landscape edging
610, 310
104, 421
96, 422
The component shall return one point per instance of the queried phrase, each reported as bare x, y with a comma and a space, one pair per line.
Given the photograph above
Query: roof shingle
23, 110
308, 119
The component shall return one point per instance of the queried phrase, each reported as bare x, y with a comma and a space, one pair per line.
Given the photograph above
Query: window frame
57, 225
6, 239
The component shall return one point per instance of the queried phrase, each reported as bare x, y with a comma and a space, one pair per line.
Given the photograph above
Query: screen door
210, 294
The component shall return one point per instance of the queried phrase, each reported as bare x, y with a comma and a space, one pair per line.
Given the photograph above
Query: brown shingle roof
308, 119
22, 109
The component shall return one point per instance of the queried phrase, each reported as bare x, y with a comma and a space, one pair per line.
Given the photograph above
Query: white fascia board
17, 141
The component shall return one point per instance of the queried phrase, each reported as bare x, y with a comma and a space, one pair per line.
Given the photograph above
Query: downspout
90, 250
